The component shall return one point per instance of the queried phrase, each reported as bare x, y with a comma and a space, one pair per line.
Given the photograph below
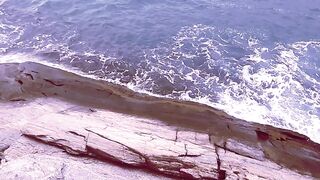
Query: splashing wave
236, 71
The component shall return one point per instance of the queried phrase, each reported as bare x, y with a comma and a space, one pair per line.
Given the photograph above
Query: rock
111, 126
29, 160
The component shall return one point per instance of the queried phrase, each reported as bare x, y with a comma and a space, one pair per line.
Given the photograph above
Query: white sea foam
223, 68
267, 85
289, 104
8, 35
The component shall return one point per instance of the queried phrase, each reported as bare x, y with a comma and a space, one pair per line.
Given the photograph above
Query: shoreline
30, 83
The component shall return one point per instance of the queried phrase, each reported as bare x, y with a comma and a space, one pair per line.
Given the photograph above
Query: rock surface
58, 125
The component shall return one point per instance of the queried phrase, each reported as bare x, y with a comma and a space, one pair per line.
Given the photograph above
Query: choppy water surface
256, 59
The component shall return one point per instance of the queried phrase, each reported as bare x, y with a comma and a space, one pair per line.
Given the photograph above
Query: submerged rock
56, 122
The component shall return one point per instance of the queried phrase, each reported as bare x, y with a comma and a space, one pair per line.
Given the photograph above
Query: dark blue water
256, 59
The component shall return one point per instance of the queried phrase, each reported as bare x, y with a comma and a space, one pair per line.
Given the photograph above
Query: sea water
258, 60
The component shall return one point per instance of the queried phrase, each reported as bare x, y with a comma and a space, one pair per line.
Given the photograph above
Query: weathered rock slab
59, 125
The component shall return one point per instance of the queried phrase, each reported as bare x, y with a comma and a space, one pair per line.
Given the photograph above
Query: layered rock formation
58, 125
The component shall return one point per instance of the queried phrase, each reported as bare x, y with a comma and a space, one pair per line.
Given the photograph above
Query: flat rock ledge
58, 125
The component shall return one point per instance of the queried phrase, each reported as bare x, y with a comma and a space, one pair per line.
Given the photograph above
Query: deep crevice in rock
221, 173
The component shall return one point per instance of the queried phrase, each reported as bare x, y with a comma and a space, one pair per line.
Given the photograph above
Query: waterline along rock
58, 125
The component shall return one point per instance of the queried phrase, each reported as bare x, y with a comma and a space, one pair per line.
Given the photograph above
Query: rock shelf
58, 125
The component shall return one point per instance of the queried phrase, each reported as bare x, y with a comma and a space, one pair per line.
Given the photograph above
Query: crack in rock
53, 83
140, 155
225, 148
29, 75
221, 173
2, 150
77, 134
62, 172
55, 142
187, 154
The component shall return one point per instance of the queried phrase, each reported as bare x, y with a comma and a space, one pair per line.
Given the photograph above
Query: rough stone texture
27, 159
57, 125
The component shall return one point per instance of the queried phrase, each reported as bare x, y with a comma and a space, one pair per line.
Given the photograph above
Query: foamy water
262, 66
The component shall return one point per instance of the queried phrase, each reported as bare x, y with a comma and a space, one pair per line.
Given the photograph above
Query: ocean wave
228, 69
235, 72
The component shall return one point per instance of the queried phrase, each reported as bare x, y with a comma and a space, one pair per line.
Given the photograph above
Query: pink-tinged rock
63, 120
